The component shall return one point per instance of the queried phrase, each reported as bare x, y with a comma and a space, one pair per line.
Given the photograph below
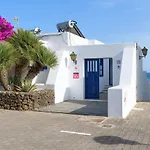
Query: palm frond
8, 55
25, 43
46, 57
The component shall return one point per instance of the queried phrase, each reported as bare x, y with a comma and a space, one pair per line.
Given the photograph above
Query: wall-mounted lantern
144, 52
73, 57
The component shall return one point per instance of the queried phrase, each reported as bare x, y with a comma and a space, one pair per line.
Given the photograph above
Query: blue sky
110, 21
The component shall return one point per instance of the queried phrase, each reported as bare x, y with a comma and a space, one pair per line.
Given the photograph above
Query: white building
99, 65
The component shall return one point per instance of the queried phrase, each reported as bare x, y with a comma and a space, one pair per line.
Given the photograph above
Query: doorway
91, 78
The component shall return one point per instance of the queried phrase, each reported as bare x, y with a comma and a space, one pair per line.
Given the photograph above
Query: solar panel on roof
69, 26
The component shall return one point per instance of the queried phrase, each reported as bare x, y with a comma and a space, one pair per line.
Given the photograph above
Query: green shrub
26, 86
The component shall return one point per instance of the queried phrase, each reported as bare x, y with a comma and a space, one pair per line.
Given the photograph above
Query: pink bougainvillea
6, 29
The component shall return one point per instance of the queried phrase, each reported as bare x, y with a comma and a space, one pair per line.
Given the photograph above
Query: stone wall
26, 100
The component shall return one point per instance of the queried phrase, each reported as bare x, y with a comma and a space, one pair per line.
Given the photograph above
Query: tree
26, 44
32, 55
7, 53
8, 59
23, 51
6, 29
44, 57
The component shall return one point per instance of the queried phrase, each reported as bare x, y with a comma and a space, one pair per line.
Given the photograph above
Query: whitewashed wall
93, 42
61, 80
76, 86
55, 41
105, 79
42, 76
74, 40
122, 98
117, 68
58, 41
58, 78
140, 76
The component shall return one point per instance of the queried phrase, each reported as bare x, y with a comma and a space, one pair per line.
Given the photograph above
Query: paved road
80, 107
47, 131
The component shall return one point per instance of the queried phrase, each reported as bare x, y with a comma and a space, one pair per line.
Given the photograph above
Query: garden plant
22, 57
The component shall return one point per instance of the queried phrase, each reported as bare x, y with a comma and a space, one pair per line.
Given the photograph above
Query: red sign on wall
75, 75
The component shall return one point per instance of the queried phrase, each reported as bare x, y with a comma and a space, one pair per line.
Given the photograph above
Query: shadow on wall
42, 76
113, 140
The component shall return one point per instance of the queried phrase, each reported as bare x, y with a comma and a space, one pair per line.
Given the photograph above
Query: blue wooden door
91, 78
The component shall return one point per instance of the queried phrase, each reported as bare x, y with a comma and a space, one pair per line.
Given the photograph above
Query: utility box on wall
76, 75
76, 72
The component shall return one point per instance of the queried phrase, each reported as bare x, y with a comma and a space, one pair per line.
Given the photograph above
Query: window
101, 68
